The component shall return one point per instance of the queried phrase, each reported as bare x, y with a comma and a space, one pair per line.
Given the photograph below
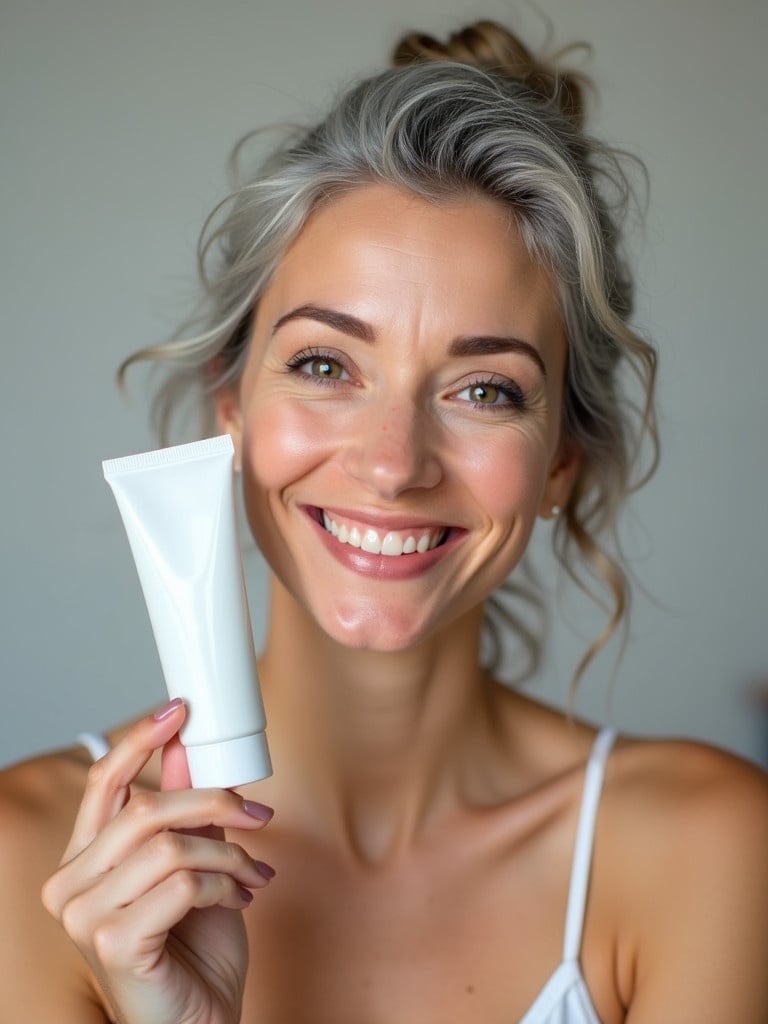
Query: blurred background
117, 120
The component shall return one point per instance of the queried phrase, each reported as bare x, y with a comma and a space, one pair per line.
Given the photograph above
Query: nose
394, 450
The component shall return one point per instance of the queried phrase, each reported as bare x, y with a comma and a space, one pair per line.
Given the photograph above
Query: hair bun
488, 45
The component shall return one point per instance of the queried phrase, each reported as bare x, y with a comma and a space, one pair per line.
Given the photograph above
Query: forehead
390, 256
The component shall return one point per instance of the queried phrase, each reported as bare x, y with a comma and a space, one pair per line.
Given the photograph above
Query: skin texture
425, 814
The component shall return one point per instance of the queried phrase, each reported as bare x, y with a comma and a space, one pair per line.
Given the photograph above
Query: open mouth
391, 543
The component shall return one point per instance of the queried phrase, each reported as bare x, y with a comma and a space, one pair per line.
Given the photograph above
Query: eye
319, 365
484, 394
493, 395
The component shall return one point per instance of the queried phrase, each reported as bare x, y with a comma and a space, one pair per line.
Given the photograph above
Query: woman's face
398, 418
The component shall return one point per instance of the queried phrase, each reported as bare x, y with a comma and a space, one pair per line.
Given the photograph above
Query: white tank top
565, 998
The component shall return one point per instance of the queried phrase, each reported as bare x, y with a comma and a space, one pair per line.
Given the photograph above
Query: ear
562, 476
229, 418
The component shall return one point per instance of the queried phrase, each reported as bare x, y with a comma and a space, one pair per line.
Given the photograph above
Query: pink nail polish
245, 894
264, 869
259, 811
167, 709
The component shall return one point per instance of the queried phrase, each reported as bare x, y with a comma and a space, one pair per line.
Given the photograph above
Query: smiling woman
446, 126
416, 330
419, 393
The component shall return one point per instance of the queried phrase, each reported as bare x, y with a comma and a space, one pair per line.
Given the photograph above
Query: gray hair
447, 131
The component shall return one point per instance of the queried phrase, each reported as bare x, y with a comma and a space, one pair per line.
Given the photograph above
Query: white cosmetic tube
178, 509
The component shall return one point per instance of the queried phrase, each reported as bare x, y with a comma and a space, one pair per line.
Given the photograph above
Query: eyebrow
488, 345
343, 322
464, 345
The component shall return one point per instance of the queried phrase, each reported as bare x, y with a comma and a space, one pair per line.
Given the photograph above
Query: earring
555, 511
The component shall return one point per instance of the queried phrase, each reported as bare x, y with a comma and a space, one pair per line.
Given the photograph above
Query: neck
375, 745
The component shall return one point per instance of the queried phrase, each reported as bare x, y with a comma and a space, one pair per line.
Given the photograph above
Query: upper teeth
391, 543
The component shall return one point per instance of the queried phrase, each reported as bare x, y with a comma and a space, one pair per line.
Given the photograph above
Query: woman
416, 332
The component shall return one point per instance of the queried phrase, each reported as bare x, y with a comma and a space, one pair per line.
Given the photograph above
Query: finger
175, 770
133, 936
109, 779
148, 813
145, 815
175, 775
170, 852
163, 856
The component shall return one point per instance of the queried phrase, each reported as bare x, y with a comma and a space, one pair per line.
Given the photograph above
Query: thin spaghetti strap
582, 851
96, 744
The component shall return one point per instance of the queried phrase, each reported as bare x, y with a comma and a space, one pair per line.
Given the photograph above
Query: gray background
116, 122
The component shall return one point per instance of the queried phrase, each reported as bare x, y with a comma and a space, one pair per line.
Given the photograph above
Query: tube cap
230, 762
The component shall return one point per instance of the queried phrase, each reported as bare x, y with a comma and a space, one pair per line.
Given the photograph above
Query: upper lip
381, 520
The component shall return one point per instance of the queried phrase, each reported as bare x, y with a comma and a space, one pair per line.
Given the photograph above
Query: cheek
510, 473
283, 441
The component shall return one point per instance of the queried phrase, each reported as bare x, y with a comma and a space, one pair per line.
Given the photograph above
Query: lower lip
386, 567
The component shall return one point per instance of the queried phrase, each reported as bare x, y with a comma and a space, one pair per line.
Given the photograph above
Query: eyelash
516, 400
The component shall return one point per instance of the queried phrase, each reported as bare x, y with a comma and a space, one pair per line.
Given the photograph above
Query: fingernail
258, 811
167, 709
264, 869
245, 894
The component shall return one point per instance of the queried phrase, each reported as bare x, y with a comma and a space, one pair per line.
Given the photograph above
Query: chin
371, 628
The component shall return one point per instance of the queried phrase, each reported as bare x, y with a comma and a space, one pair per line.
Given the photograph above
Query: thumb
175, 771
174, 774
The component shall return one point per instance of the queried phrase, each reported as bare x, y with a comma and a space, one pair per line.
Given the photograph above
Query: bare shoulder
682, 808
41, 973
702, 791
38, 804
687, 861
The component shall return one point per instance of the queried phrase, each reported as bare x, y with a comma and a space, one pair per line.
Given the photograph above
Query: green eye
316, 364
501, 396
484, 394
327, 368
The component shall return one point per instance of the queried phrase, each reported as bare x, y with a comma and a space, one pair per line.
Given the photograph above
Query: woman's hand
150, 890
